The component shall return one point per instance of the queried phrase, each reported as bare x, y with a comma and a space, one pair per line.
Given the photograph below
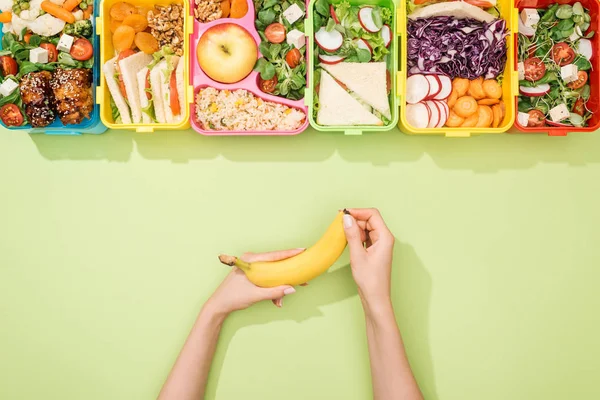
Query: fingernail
289, 290
347, 221
279, 302
301, 248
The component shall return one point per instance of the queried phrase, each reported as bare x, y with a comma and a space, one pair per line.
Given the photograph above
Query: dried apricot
225, 8
121, 10
114, 24
146, 42
239, 8
136, 21
123, 37
144, 10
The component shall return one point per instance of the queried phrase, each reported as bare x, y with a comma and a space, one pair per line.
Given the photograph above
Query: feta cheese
296, 38
293, 13
8, 87
78, 15
530, 17
65, 43
568, 73
559, 113
38, 55
523, 119
521, 68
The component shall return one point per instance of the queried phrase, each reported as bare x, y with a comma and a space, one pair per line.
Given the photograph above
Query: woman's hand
236, 292
371, 245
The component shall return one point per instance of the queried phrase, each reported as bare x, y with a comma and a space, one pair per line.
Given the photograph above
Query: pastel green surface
108, 248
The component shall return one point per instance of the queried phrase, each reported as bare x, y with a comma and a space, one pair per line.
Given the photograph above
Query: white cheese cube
521, 68
38, 55
568, 73
530, 17
559, 113
8, 87
523, 119
296, 38
65, 43
293, 13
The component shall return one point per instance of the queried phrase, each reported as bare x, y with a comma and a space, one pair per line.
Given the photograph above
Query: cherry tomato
536, 119
27, 37
531, 51
534, 69
582, 78
562, 54
388, 81
82, 50
147, 86
579, 107
275, 33
11, 115
52, 52
173, 97
293, 58
480, 3
8, 66
269, 85
124, 54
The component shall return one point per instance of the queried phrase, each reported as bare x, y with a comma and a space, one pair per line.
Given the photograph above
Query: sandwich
367, 80
456, 9
146, 88
339, 107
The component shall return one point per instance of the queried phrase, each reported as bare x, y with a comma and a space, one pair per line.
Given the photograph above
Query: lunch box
250, 83
107, 52
92, 125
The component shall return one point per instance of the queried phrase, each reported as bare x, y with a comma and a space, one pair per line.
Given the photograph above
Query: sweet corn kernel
214, 108
239, 102
288, 111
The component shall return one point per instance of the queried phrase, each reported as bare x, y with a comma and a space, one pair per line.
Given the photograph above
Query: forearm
187, 380
390, 370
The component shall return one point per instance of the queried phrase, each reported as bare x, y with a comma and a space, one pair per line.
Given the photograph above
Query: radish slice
365, 17
585, 48
445, 114
525, 30
446, 87
552, 123
417, 88
386, 35
536, 91
329, 41
434, 86
325, 59
333, 15
363, 44
417, 115
434, 119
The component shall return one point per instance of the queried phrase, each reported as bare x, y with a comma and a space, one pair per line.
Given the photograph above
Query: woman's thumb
352, 234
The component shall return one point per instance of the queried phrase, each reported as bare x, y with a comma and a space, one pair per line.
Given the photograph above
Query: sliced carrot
488, 102
465, 106
58, 11
485, 117
497, 115
87, 13
5, 17
70, 5
492, 89
454, 120
470, 122
225, 8
476, 88
502, 108
452, 99
461, 85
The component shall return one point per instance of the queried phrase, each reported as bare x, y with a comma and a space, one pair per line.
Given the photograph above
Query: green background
108, 249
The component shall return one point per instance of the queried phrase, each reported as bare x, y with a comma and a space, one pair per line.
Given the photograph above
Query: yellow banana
298, 269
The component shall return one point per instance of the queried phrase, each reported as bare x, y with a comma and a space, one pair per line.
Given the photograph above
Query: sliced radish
363, 44
446, 87
365, 17
386, 35
434, 86
417, 115
434, 119
333, 15
446, 113
329, 41
536, 91
552, 123
585, 48
325, 59
525, 30
417, 88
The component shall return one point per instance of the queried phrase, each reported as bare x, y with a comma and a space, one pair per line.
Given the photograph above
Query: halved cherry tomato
534, 69
147, 86
388, 81
269, 85
124, 54
82, 50
11, 115
293, 58
479, 3
334, 15
275, 33
582, 78
8, 66
173, 97
27, 37
536, 119
52, 52
562, 54
579, 107
531, 51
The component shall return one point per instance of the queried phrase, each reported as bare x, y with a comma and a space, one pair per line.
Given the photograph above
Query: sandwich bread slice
457, 9
145, 95
158, 100
338, 107
115, 92
130, 66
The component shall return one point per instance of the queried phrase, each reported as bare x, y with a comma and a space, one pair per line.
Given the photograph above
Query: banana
298, 269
